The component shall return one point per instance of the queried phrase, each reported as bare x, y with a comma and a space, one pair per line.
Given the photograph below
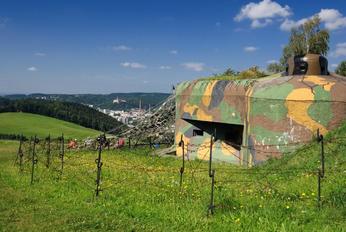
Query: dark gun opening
232, 134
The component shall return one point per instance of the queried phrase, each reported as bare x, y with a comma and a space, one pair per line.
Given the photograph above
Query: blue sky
125, 46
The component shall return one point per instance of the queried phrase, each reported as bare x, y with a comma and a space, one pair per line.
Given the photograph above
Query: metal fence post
20, 153
33, 159
62, 153
212, 139
320, 139
101, 140
211, 174
182, 168
48, 152
211, 205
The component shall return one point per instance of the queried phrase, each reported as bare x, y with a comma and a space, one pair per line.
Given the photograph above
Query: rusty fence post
211, 205
48, 152
101, 140
62, 153
182, 168
20, 154
33, 159
211, 175
212, 140
320, 139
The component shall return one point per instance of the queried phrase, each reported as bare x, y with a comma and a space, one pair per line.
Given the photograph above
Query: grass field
142, 193
31, 124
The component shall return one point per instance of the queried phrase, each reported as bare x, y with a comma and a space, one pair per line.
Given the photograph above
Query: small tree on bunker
341, 69
307, 38
251, 73
230, 72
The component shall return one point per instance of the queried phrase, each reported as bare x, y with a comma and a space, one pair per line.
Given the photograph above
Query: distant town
128, 117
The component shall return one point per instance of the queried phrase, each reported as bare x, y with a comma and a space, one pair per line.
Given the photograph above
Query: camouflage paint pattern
278, 114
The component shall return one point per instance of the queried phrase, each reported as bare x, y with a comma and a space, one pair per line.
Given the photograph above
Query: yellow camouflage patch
206, 98
318, 80
298, 110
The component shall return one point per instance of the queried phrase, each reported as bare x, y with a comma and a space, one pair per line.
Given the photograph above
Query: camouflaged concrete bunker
256, 119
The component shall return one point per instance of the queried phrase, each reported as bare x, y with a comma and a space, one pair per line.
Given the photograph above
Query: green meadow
34, 124
141, 192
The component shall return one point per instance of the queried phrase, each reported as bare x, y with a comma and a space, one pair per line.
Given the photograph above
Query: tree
341, 69
307, 38
275, 68
251, 73
230, 72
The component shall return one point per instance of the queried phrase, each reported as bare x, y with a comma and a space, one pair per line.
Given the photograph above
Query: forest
67, 111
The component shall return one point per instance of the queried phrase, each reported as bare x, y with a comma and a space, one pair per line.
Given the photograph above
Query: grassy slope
31, 124
141, 193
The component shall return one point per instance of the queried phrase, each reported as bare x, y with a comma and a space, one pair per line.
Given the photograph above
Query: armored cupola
309, 64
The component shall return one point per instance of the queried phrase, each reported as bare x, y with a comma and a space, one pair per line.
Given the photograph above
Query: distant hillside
67, 111
34, 124
126, 100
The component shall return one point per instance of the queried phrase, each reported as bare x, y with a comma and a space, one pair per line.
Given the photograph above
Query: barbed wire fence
50, 153
319, 173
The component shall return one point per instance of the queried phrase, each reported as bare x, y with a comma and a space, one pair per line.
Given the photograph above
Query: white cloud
329, 14
262, 13
288, 24
174, 52
121, 48
340, 50
132, 65
40, 54
334, 65
165, 67
258, 24
194, 66
272, 61
332, 19
32, 69
250, 49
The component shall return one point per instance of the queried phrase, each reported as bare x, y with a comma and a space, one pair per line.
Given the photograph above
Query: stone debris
159, 127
